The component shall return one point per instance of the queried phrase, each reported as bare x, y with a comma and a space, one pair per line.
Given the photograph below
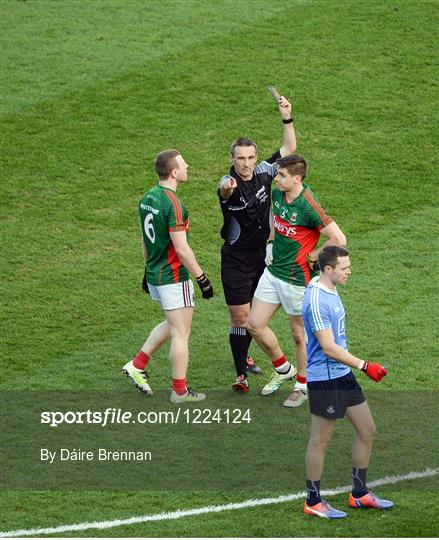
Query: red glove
374, 371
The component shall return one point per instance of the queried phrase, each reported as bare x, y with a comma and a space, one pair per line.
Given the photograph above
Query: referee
245, 198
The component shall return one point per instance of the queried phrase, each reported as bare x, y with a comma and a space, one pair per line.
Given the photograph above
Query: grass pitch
91, 92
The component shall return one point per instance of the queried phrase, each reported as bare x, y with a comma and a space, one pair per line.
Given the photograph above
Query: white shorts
275, 291
174, 295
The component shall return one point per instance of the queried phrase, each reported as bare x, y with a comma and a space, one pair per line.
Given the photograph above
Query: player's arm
227, 186
185, 253
145, 258
334, 351
289, 143
187, 257
145, 253
326, 340
334, 236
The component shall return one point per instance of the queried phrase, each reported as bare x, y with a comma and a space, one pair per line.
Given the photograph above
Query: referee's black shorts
331, 398
240, 273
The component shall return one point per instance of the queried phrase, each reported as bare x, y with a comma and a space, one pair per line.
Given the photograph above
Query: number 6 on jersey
148, 227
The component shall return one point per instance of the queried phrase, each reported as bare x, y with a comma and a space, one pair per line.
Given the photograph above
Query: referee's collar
236, 175
315, 282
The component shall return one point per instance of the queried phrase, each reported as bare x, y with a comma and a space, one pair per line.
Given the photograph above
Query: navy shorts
331, 398
240, 273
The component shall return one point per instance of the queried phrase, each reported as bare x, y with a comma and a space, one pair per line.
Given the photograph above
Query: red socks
279, 362
300, 379
281, 365
179, 386
141, 360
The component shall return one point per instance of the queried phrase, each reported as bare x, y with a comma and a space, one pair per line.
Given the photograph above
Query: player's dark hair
329, 256
243, 141
165, 163
294, 164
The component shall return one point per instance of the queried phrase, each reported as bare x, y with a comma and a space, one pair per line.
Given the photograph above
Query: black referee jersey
247, 211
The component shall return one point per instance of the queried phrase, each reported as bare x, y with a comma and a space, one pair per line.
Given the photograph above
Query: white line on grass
167, 516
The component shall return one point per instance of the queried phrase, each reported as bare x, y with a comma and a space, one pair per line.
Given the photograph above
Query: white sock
284, 368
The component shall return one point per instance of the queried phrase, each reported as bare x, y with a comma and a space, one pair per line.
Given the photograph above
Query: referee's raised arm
289, 144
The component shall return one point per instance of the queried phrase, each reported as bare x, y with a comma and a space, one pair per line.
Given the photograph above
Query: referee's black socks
239, 343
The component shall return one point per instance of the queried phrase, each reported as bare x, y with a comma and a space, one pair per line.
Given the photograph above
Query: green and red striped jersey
297, 225
162, 212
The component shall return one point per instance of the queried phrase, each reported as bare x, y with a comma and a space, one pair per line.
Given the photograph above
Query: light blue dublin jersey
323, 309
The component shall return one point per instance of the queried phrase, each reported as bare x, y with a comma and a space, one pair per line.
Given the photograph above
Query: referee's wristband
288, 121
